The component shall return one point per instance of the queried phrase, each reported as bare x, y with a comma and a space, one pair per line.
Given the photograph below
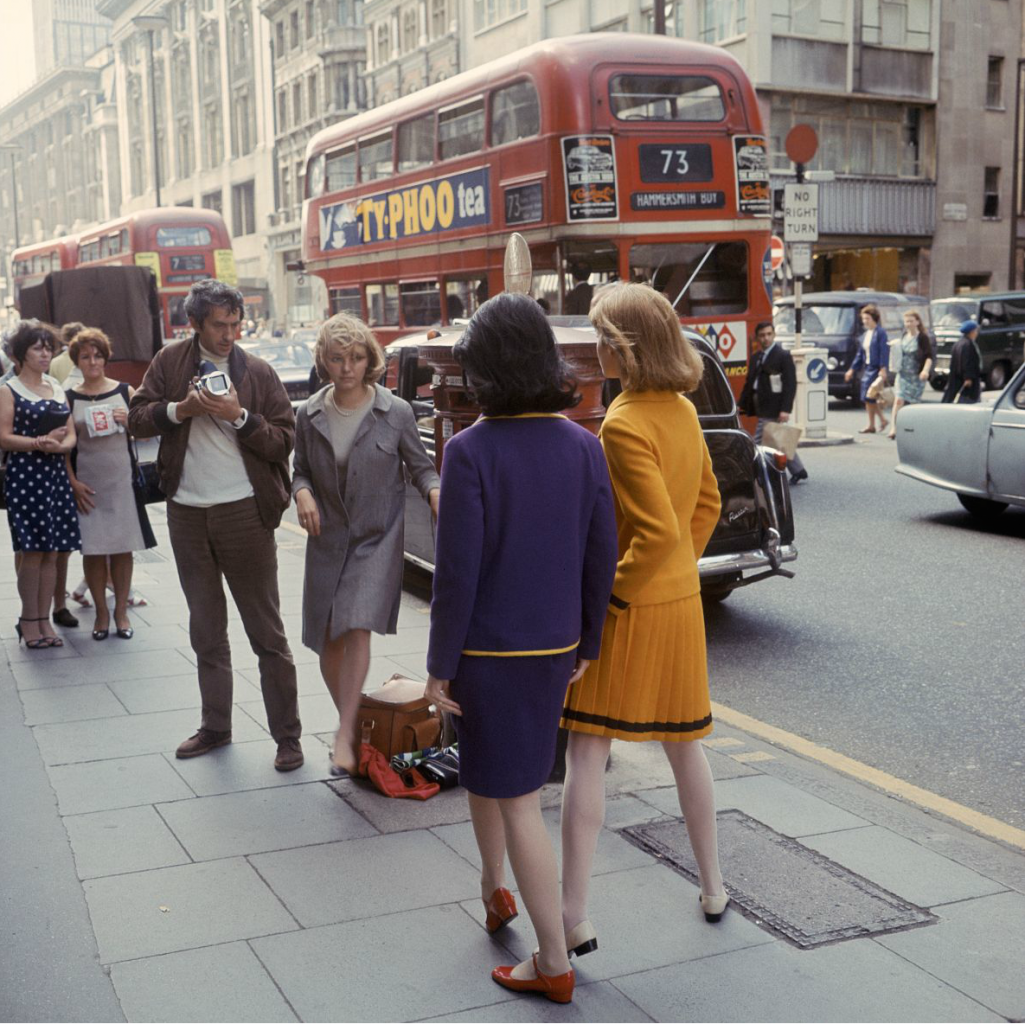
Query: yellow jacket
666, 495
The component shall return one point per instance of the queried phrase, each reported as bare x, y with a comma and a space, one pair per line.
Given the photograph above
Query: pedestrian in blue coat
873, 360
525, 557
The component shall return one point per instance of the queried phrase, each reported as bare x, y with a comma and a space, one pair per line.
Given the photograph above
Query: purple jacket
526, 542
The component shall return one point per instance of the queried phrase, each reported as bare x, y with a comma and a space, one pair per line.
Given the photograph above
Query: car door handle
1011, 426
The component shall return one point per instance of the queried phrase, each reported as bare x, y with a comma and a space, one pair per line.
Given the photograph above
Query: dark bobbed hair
762, 325
511, 359
873, 311
27, 334
206, 295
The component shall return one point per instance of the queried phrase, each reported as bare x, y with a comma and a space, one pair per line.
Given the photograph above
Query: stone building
66, 33
318, 69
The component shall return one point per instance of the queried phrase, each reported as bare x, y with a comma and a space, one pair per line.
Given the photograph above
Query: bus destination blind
456, 201
524, 204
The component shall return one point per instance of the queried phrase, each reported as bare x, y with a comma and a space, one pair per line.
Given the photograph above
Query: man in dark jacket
770, 390
223, 465
964, 384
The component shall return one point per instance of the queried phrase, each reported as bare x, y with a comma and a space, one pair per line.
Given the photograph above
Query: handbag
398, 717
782, 436
885, 397
145, 479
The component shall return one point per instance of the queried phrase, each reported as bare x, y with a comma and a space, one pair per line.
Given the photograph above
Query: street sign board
776, 252
802, 143
801, 212
800, 259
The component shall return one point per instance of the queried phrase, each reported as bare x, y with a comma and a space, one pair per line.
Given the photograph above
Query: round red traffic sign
776, 252
802, 143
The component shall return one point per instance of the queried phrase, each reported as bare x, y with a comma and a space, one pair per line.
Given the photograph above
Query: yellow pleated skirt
650, 681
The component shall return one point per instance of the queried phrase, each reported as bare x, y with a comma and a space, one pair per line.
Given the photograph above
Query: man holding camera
226, 431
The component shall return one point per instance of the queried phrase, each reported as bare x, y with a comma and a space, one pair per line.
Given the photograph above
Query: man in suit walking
770, 390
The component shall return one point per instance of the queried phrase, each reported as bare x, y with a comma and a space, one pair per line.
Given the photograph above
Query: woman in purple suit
526, 553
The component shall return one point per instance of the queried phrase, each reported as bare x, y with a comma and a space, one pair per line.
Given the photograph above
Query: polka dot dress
40, 503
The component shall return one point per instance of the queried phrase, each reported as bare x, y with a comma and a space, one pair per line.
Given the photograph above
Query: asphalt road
900, 641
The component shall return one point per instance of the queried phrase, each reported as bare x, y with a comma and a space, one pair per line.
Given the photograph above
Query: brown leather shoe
202, 743
290, 755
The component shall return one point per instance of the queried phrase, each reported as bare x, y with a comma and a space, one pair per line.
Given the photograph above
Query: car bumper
743, 561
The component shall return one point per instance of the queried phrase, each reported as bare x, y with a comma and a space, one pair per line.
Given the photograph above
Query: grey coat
354, 568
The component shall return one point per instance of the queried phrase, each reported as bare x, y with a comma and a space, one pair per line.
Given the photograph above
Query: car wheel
998, 374
716, 590
985, 508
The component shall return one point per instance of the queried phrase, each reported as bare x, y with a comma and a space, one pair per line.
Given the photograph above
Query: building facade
318, 77
66, 33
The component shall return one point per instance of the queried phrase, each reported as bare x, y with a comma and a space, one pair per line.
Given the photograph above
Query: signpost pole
798, 284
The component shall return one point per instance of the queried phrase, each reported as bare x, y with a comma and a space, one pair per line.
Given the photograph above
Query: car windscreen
286, 357
816, 319
950, 314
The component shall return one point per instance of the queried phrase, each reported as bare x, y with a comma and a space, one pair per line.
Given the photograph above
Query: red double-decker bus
178, 244
617, 157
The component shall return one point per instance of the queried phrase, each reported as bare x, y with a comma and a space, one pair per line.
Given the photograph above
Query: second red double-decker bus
31, 263
617, 157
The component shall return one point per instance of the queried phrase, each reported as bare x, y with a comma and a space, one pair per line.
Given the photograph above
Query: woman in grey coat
352, 440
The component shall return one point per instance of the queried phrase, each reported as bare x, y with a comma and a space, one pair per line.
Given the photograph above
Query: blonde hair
89, 337
917, 316
640, 325
346, 330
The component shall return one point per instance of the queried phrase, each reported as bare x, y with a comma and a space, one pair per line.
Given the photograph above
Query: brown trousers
229, 542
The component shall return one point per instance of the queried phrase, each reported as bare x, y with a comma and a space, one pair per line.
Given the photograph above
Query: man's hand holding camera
200, 401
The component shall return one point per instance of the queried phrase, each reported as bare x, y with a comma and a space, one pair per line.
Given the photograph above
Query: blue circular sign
816, 371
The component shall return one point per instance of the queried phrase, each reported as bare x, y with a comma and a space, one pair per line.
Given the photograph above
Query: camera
212, 380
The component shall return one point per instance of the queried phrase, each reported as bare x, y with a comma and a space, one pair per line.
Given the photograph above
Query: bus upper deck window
416, 143
515, 113
183, 237
345, 300
666, 98
382, 304
375, 157
315, 177
461, 129
341, 169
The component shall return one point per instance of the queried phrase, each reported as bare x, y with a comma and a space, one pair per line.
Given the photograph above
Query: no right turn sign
801, 212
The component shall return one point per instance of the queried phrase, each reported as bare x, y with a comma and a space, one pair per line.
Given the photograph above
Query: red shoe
501, 909
556, 987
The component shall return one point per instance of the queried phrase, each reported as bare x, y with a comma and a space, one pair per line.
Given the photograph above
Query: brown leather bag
398, 718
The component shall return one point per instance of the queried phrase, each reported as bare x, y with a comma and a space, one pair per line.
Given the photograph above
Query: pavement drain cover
785, 887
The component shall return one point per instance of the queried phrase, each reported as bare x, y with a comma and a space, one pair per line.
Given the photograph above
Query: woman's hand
121, 416
309, 514
83, 496
48, 443
848, 375
434, 500
578, 672
437, 694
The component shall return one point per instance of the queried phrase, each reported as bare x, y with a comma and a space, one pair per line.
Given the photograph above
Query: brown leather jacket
265, 441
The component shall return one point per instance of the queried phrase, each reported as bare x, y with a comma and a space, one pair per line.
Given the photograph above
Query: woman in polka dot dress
37, 431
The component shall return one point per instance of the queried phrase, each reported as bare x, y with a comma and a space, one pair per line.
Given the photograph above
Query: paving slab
625, 810
636, 767
262, 820
119, 782
852, 981
399, 967
71, 742
18, 654
413, 666
217, 983
977, 947
389, 815
644, 918
146, 638
172, 693
600, 1001
250, 765
367, 877
317, 712
777, 804
902, 866
152, 912
116, 842
76, 671
405, 641
70, 704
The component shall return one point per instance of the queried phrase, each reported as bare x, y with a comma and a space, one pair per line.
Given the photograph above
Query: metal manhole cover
785, 887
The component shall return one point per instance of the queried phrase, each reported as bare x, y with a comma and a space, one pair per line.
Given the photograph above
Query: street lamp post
150, 23
12, 148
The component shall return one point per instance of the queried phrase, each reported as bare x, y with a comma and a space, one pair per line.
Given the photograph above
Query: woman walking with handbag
912, 359
523, 568
352, 440
102, 469
650, 681
872, 359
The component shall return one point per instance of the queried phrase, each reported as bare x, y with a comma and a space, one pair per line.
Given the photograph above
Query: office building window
490, 12
297, 103
721, 19
995, 82
286, 192
243, 209
311, 92
409, 30
282, 110
293, 30
991, 194
439, 18
824, 19
903, 23
279, 39
383, 43
213, 201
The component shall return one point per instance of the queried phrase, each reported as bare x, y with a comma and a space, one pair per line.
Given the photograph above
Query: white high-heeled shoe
581, 940
713, 906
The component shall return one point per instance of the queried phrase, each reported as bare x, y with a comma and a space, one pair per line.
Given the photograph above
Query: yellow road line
982, 823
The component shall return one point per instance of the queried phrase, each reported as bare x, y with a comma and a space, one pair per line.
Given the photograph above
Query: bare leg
697, 801
44, 595
121, 567
348, 662
60, 585
489, 831
29, 564
898, 404
583, 814
533, 863
95, 569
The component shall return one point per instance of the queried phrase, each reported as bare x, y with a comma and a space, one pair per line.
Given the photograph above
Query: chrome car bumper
758, 558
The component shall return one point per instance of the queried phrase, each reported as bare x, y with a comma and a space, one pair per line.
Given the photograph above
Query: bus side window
421, 303
382, 305
515, 113
461, 298
346, 300
461, 129
416, 143
375, 157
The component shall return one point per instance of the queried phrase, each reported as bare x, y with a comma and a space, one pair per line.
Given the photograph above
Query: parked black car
1001, 340
755, 534
291, 361
830, 320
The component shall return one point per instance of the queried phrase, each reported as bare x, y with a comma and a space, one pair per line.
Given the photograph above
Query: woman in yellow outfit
650, 681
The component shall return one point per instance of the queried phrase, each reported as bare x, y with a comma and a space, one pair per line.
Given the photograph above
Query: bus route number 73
676, 163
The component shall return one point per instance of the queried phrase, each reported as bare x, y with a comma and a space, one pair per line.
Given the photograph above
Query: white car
977, 451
